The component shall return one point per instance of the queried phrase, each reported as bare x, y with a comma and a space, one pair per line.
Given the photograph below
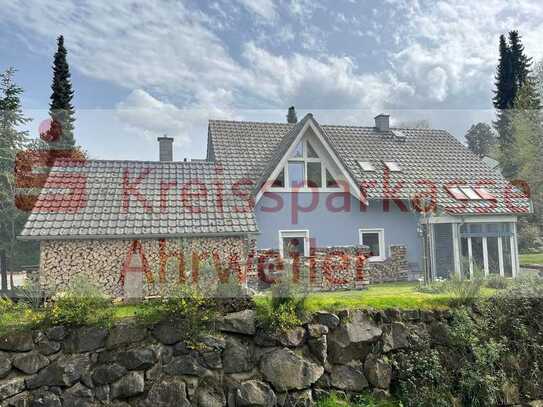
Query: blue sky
144, 69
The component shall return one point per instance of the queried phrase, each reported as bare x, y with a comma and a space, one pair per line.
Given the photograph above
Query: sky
144, 69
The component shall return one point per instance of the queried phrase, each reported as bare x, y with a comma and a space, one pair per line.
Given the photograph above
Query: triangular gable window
331, 182
280, 180
311, 153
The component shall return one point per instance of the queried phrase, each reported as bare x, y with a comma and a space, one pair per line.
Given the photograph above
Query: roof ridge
347, 126
249, 122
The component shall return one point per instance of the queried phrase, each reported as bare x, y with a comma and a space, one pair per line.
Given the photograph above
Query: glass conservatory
473, 248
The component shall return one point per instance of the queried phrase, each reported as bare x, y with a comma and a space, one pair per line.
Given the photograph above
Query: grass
338, 400
378, 296
533, 258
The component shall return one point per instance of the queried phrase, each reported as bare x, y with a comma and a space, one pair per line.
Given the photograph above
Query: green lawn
378, 296
535, 258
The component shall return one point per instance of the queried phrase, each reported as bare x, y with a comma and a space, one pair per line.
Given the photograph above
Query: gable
302, 154
252, 150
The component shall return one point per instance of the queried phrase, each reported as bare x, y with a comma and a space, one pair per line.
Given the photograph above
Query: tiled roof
247, 148
104, 212
248, 151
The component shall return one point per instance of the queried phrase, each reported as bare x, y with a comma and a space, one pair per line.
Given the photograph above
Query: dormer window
393, 166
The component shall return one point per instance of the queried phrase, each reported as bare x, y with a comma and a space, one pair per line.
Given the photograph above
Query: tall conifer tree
512, 71
61, 109
12, 140
520, 63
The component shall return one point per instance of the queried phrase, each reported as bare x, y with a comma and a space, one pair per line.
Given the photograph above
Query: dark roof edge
141, 237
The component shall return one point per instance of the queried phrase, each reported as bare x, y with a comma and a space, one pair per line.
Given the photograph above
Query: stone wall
116, 264
237, 365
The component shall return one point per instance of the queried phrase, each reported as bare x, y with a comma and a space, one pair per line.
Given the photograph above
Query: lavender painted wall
331, 228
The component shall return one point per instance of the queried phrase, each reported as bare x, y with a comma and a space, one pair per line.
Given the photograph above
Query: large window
293, 243
375, 240
306, 169
487, 248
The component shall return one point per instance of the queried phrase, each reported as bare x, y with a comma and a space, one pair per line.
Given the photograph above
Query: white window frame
351, 186
382, 247
305, 159
513, 244
294, 233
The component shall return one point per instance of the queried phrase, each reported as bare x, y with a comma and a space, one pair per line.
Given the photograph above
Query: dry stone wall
238, 365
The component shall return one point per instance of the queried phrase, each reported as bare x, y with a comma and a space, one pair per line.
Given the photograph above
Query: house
417, 199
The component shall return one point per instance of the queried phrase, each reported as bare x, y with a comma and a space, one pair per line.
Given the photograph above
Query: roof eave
142, 237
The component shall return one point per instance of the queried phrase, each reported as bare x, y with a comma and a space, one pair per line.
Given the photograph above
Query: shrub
421, 379
7, 305
463, 290
183, 305
497, 282
529, 237
438, 286
82, 304
480, 354
286, 308
32, 294
363, 400
231, 288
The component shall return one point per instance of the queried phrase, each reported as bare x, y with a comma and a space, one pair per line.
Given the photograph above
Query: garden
484, 345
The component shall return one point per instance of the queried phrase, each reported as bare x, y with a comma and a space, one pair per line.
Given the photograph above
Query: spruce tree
513, 70
480, 138
12, 141
503, 97
520, 63
61, 109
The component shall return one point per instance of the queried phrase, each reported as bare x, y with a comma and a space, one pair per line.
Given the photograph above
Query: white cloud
450, 48
159, 45
263, 8
147, 116
327, 82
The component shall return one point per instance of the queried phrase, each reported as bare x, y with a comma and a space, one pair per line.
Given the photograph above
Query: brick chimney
165, 146
382, 122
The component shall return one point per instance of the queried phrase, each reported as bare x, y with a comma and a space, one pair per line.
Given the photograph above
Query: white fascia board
472, 219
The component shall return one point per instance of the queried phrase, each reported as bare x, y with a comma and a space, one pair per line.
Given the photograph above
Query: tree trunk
4, 270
